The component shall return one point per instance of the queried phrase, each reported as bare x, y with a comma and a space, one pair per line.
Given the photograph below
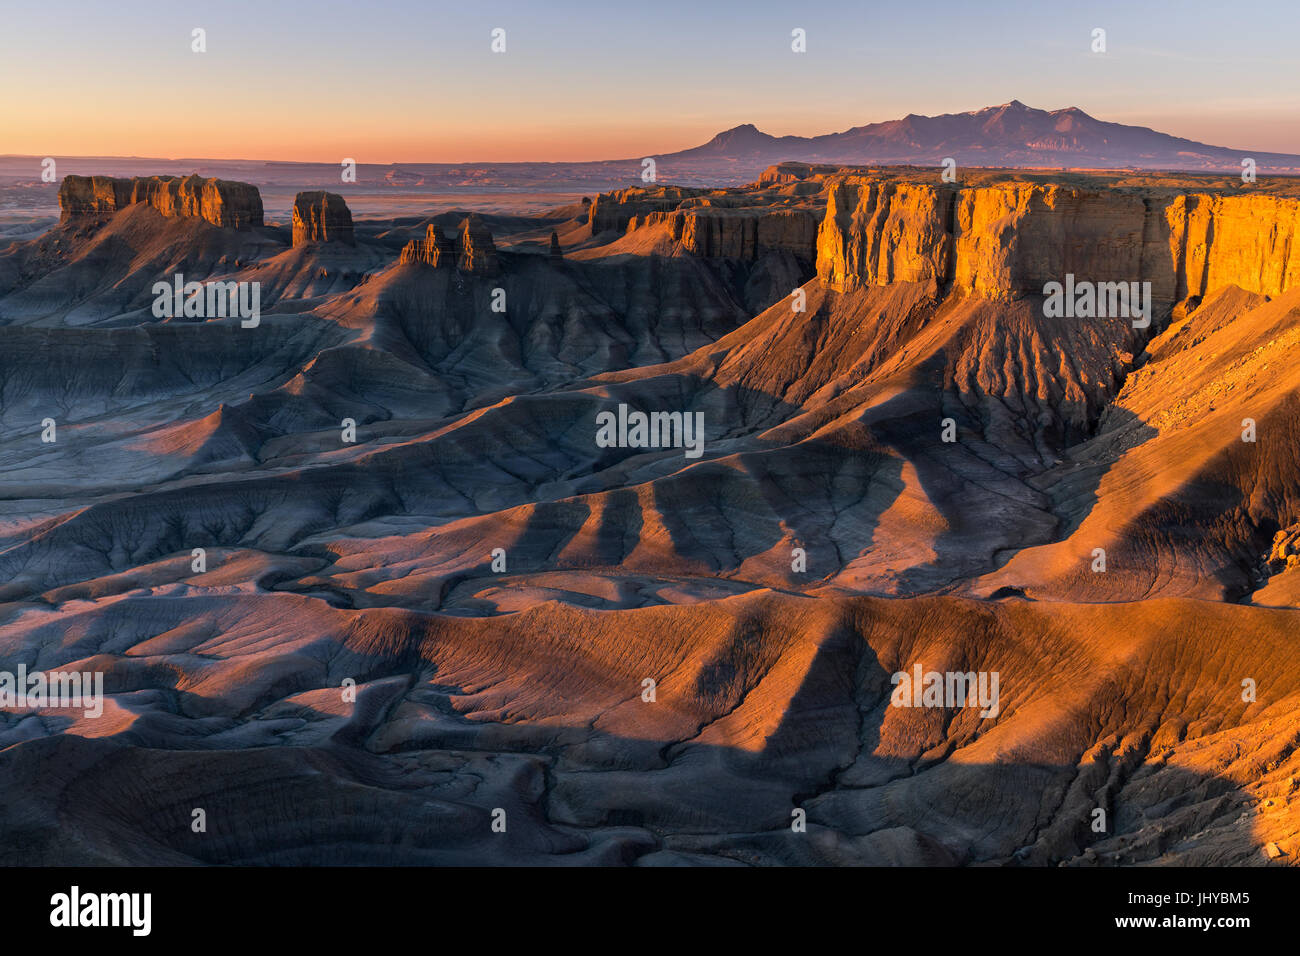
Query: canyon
641, 656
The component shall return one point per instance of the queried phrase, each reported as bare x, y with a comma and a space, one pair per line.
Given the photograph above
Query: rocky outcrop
614, 210
1285, 552
783, 173
996, 239
435, 249
1249, 241
472, 250
742, 224
746, 234
477, 254
1011, 239
218, 201
84, 196
879, 232
321, 217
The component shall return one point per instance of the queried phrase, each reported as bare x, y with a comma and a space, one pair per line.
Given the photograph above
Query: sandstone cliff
477, 252
1249, 241
472, 250
218, 201
782, 173
723, 233
321, 217
435, 249
1010, 239
739, 224
879, 232
614, 210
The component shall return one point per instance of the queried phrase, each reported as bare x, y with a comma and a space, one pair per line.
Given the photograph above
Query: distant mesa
472, 250
321, 217
403, 177
784, 173
221, 202
742, 224
614, 210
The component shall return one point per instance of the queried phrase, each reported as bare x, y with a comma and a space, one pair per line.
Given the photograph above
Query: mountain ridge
1009, 134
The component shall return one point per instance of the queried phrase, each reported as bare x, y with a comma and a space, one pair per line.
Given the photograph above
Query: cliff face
477, 251
1015, 239
435, 249
1012, 239
879, 232
614, 210
996, 241
738, 233
1249, 241
472, 250
782, 173
321, 217
779, 214
218, 201
81, 196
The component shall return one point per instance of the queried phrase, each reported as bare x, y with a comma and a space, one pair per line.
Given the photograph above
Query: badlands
365, 588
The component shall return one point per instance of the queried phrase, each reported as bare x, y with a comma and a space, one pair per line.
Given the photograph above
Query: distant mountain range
1012, 134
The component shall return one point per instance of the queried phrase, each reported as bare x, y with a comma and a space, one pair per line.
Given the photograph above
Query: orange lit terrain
363, 571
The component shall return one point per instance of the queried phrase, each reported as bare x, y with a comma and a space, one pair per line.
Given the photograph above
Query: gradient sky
389, 81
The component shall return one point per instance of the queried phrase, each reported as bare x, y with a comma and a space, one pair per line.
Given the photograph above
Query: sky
384, 81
